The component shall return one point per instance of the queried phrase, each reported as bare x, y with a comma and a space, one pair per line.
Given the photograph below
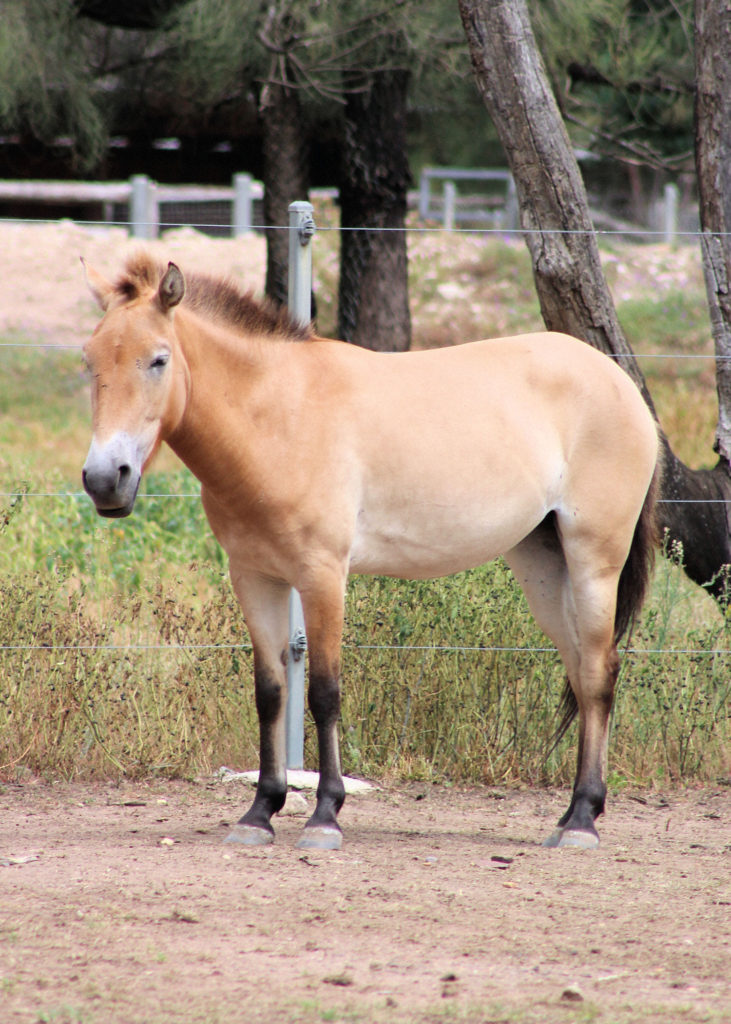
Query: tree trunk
373, 295
713, 165
570, 282
285, 178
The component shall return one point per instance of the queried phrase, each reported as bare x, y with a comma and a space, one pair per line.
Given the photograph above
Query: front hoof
249, 835
320, 837
579, 839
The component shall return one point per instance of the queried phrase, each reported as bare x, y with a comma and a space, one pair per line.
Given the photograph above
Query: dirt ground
121, 904
43, 295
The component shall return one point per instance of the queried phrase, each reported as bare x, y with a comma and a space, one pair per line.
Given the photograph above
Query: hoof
320, 837
574, 837
249, 835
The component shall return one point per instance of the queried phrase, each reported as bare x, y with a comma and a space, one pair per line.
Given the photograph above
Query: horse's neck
225, 374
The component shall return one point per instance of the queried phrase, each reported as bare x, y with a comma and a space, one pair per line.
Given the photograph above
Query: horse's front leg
323, 610
266, 609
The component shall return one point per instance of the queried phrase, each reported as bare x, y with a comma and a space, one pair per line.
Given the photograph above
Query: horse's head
138, 381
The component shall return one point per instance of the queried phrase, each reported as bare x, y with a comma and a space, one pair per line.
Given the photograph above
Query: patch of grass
64, 1014
85, 696
675, 321
449, 679
43, 403
57, 529
670, 334
442, 680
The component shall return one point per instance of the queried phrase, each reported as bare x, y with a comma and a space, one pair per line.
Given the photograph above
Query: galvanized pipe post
670, 213
144, 213
449, 212
242, 219
301, 230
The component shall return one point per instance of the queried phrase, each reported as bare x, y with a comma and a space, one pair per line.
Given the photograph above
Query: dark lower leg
590, 790
587, 803
271, 790
324, 699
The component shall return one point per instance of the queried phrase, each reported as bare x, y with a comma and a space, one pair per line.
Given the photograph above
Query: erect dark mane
216, 298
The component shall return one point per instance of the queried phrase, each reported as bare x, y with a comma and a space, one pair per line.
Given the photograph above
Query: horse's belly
424, 547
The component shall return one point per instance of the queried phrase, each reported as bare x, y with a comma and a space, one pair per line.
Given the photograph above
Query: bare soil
43, 294
120, 903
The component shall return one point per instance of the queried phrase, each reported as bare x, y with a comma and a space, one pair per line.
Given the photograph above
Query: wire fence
219, 228
218, 225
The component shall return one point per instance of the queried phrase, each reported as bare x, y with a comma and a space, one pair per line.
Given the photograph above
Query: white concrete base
295, 780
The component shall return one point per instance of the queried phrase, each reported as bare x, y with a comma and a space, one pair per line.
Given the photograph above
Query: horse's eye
159, 361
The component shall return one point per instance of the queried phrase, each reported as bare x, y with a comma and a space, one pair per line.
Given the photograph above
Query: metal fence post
424, 194
450, 204
143, 207
242, 219
512, 207
670, 211
301, 230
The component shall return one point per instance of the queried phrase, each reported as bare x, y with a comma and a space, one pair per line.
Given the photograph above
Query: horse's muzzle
111, 478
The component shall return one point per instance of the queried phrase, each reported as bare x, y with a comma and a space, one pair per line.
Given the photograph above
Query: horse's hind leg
575, 608
266, 609
593, 602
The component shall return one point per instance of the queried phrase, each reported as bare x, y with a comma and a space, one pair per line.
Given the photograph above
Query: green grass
446, 680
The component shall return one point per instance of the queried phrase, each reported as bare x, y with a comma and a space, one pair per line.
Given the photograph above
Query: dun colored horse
319, 458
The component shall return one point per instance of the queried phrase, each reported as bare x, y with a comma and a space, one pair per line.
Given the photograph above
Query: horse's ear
172, 288
98, 285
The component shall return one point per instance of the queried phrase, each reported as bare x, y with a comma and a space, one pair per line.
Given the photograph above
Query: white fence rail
144, 199
497, 210
147, 207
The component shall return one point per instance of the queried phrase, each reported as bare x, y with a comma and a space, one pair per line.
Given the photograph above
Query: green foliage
212, 50
624, 73
169, 526
218, 50
449, 678
122, 649
23, 385
677, 713
629, 66
46, 78
89, 691
675, 322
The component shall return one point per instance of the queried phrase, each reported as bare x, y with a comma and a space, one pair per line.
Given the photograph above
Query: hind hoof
579, 839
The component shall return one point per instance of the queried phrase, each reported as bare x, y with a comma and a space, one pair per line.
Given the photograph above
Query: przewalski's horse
318, 459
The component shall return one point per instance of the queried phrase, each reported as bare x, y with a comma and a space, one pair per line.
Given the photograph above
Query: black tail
632, 588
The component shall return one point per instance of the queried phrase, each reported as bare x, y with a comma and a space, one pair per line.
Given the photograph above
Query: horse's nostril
124, 472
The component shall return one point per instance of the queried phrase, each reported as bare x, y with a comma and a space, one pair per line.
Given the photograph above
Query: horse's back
464, 451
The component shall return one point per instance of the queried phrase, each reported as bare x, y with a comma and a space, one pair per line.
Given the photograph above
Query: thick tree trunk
373, 294
572, 289
285, 178
713, 165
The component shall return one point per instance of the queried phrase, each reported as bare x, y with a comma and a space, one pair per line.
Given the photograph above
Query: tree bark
573, 293
285, 178
373, 307
713, 165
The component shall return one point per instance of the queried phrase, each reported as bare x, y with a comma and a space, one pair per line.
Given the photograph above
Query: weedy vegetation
123, 651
